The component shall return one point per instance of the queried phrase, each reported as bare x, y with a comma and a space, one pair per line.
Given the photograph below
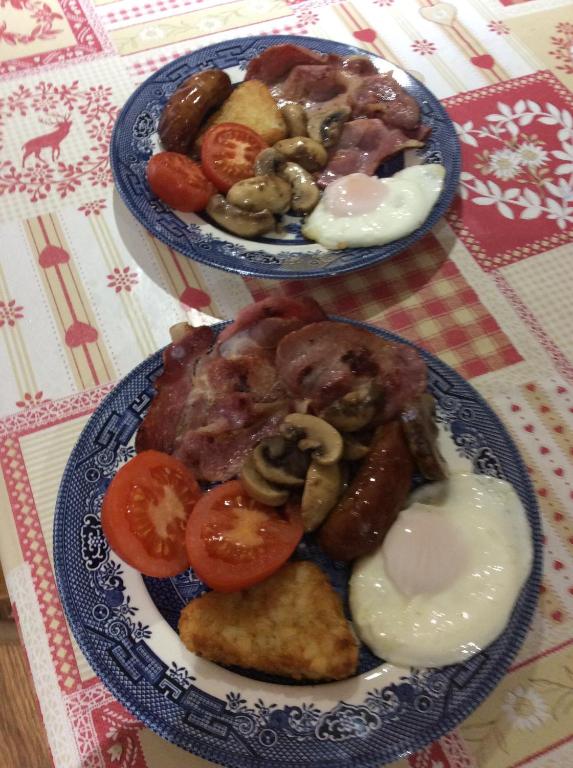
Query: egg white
466, 615
411, 196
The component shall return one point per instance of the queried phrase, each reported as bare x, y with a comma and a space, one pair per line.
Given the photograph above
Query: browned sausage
362, 518
182, 117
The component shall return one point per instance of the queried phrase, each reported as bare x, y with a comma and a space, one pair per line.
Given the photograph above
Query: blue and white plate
125, 624
289, 255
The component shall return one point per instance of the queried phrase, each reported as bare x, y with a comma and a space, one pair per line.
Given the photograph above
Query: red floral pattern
563, 46
95, 207
517, 156
424, 47
90, 109
39, 12
29, 401
122, 279
46, 24
10, 312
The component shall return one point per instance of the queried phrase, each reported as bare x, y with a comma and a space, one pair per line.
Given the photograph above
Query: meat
382, 96
276, 62
362, 146
325, 361
215, 457
159, 428
364, 515
215, 403
312, 83
386, 119
212, 407
262, 325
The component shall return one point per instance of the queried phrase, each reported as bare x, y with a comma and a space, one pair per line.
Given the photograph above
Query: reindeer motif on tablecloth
51, 139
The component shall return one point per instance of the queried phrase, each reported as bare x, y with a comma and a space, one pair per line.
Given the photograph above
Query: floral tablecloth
86, 293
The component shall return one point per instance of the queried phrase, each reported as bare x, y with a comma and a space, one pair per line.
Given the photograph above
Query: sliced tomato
179, 181
234, 541
228, 153
145, 513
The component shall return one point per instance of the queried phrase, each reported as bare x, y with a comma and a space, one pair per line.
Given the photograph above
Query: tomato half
179, 181
234, 542
228, 153
145, 513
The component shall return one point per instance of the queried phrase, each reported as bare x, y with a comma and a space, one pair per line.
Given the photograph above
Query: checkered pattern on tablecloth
422, 296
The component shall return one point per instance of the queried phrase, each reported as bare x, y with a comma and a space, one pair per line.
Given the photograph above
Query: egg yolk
354, 195
423, 551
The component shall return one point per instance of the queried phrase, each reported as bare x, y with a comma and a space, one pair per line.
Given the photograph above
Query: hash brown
292, 625
251, 104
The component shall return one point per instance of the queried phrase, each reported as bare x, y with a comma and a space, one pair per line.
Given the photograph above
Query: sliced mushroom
237, 221
179, 331
355, 410
326, 127
295, 119
268, 162
305, 193
308, 153
259, 488
261, 192
315, 435
321, 491
421, 431
278, 470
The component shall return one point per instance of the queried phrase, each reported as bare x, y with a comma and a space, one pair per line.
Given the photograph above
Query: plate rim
258, 270
363, 760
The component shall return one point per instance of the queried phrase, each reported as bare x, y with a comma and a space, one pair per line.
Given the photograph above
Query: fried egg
443, 584
359, 210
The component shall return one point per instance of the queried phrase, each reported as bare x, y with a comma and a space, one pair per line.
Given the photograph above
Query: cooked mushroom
314, 434
237, 221
268, 162
305, 193
287, 469
355, 410
304, 151
326, 127
295, 119
261, 192
354, 450
421, 431
179, 331
259, 488
321, 491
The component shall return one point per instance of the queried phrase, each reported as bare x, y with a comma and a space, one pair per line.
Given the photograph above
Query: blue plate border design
386, 724
132, 145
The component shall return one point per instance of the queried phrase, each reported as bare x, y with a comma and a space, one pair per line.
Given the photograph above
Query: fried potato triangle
292, 625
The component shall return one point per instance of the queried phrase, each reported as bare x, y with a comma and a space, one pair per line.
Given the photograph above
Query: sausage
182, 117
361, 519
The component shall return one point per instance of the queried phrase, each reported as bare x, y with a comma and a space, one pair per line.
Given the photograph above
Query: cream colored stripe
131, 307
20, 345
350, 16
435, 60
131, 304
11, 341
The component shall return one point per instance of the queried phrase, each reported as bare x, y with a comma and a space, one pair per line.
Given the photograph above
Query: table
85, 294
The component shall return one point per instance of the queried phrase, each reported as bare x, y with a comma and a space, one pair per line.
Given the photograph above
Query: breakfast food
316, 426
192, 101
360, 210
301, 121
291, 625
445, 581
359, 522
251, 104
